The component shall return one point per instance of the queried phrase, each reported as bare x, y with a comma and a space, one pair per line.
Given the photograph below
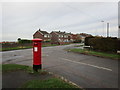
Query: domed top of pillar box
37, 39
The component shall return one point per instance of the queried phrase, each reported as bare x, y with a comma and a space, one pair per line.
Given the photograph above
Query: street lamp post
103, 27
107, 29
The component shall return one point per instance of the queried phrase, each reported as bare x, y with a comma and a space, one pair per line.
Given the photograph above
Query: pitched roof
60, 33
85, 35
43, 32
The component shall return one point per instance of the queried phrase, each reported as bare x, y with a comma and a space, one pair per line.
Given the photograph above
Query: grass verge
13, 67
49, 83
15, 48
53, 82
24, 47
47, 45
95, 53
78, 45
27, 47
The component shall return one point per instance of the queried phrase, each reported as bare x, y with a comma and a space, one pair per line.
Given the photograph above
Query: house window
45, 35
60, 40
67, 40
50, 35
66, 36
60, 35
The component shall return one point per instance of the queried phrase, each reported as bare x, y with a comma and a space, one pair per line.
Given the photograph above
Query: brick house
45, 36
74, 37
82, 36
58, 37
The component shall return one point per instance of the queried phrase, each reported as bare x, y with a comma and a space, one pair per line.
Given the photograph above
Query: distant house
74, 37
58, 37
45, 36
82, 36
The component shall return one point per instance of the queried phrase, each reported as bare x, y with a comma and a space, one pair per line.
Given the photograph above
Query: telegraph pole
107, 29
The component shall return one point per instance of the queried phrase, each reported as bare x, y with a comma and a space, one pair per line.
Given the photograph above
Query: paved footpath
84, 70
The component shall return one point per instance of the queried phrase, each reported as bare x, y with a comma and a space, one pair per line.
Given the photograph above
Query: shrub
77, 41
104, 44
24, 41
86, 40
46, 41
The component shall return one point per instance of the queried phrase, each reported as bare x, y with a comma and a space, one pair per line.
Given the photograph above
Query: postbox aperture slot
35, 44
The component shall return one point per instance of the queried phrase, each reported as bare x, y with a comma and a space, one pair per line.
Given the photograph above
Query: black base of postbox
36, 67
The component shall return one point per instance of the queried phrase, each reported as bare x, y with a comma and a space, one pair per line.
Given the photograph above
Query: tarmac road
84, 70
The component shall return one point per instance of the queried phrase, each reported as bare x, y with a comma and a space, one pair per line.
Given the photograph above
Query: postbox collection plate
35, 49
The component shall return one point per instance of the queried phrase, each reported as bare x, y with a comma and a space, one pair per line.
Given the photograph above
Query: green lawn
48, 83
101, 54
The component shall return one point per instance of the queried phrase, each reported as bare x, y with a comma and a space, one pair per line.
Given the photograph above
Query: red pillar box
37, 64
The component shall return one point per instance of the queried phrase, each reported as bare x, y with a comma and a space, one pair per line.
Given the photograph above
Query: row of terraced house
58, 37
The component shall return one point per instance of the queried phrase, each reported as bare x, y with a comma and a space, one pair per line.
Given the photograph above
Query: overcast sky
22, 20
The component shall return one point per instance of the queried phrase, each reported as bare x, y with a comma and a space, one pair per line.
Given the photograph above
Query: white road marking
88, 64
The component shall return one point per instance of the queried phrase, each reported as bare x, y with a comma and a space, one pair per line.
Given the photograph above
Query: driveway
86, 71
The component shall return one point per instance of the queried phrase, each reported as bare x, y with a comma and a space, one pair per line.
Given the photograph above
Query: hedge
104, 44
25, 41
86, 40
